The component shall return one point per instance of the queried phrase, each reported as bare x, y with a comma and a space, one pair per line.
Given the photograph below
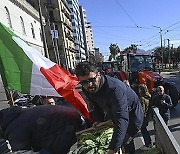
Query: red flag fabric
64, 83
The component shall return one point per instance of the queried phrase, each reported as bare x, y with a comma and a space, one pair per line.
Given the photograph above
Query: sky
127, 22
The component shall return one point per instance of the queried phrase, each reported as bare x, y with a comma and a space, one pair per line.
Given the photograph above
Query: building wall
77, 30
57, 13
89, 38
98, 56
84, 24
20, 10
68, 34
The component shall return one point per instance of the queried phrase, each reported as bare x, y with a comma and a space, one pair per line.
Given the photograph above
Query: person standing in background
163, 102
145, 99
49, 100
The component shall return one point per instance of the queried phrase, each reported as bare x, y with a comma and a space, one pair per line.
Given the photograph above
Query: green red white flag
24, 69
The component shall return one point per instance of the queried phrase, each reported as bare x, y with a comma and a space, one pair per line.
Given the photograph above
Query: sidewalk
139, 142
3, 99
170, 72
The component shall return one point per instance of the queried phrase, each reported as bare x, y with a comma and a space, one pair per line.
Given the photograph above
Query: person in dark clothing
112, 99
163, 102
49, 100
145, 99
49, 127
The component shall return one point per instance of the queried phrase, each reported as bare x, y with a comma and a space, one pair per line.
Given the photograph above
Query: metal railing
164, 139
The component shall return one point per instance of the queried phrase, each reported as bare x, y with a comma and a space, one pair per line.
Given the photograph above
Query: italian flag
24, 69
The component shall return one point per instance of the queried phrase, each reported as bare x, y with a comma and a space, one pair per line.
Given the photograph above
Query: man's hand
163, 102
111, 152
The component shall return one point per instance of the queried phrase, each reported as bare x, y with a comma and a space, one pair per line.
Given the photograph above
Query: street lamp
169, 55
160, 32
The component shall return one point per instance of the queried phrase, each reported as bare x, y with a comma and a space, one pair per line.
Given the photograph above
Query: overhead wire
127, 13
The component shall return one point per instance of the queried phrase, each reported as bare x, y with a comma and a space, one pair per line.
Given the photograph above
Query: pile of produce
94, 141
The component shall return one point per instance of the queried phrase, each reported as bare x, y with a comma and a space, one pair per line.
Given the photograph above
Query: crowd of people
52, 128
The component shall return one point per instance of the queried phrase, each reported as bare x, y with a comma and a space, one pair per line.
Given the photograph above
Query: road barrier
164, 139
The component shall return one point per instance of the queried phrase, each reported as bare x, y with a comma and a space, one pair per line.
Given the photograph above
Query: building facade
83, 23
98, 56
23, 20
77, 30
59, 32
90, 42
87, 36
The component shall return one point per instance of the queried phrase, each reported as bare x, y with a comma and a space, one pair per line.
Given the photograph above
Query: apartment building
88, 36
83, 23
59, 32
23, 20
77, 30
90, 42
98, 55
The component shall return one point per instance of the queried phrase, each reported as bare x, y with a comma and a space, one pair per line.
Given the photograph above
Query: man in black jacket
112, 99
163, 102
49, 127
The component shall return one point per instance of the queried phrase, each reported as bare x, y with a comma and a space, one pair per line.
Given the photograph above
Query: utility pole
42, 29
169, 56
161, 43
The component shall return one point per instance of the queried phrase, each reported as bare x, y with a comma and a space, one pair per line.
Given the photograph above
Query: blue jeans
146, 136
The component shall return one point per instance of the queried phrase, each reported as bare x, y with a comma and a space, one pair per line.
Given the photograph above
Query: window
8, 17
73, 23
56, 27
29, 1
49, 2
32, 30
70, 2
51, 16
40, 32
22, 25
72, 16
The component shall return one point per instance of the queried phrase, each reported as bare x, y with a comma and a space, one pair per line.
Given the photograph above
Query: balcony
56, 20
72, 49
67, 24
50, 5
69, 36
67, 15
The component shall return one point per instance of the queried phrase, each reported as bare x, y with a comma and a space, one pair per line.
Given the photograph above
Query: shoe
146, 148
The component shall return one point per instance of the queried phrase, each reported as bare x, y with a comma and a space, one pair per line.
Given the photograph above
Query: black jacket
121, 104
163, 108
51, 127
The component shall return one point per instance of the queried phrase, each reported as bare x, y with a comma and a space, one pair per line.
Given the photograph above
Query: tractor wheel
172, 91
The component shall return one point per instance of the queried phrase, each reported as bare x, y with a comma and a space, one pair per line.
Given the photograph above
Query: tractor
112, 69
139, 69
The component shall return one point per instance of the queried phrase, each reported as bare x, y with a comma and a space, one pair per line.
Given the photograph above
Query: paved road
172, 77
174, 123
3, 99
